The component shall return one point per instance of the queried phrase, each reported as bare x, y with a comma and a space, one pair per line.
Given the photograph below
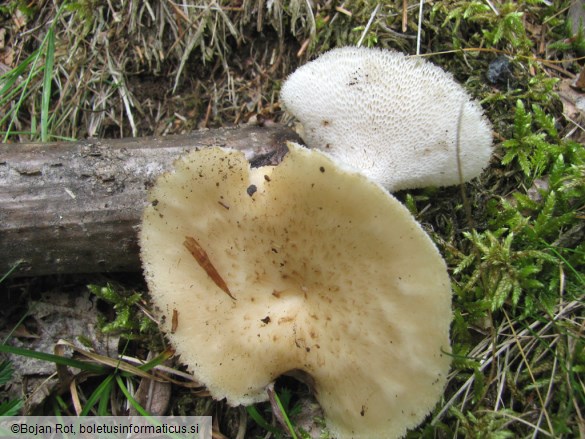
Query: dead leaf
576, 15
580, 81
23, 332
573, 108
539, 186
19, 19
153, 396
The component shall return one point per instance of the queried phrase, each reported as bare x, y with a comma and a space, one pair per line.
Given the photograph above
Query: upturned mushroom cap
393, 117
329, 275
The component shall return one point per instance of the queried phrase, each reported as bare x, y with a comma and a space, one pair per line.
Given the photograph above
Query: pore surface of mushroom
401, 120
317, 269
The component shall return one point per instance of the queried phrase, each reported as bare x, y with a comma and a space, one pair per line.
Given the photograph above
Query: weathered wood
76, 207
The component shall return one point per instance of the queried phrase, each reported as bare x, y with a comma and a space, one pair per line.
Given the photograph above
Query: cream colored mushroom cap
393, 117
331, 276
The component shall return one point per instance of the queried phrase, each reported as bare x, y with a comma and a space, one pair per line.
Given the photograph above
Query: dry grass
134, 68
140, 68
520, 365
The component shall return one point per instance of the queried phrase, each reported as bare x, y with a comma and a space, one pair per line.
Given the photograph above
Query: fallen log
76, 207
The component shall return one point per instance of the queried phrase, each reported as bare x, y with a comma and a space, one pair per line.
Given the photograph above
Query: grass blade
9, 272
88, 367
47, 80
257, 417
279, 411
101, 393
130, 398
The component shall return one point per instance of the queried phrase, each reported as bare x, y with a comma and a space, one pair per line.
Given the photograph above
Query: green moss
516, 260
129, 321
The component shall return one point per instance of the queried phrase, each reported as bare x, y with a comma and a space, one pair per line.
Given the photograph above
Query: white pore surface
331, 275
393, 117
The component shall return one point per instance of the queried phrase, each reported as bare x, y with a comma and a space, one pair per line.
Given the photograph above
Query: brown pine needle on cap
175, 321
203, 260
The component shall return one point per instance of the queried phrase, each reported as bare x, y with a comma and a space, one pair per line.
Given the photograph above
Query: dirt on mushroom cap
331, 274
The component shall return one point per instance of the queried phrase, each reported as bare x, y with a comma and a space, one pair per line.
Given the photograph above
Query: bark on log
76, 207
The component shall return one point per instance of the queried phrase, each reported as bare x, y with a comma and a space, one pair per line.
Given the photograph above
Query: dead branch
76, 207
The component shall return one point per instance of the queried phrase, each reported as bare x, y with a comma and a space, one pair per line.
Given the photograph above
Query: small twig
207, 115
162, 368
529, 369
466, 204
344, 11
404, 15
303, 47
75, 397
367, 28
418, 33
311, 18
175, 321
492, 7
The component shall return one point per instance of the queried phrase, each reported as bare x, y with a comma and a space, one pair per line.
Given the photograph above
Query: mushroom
402, 121
306, 268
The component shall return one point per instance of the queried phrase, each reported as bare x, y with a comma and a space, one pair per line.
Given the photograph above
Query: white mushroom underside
393, 117
331, 274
